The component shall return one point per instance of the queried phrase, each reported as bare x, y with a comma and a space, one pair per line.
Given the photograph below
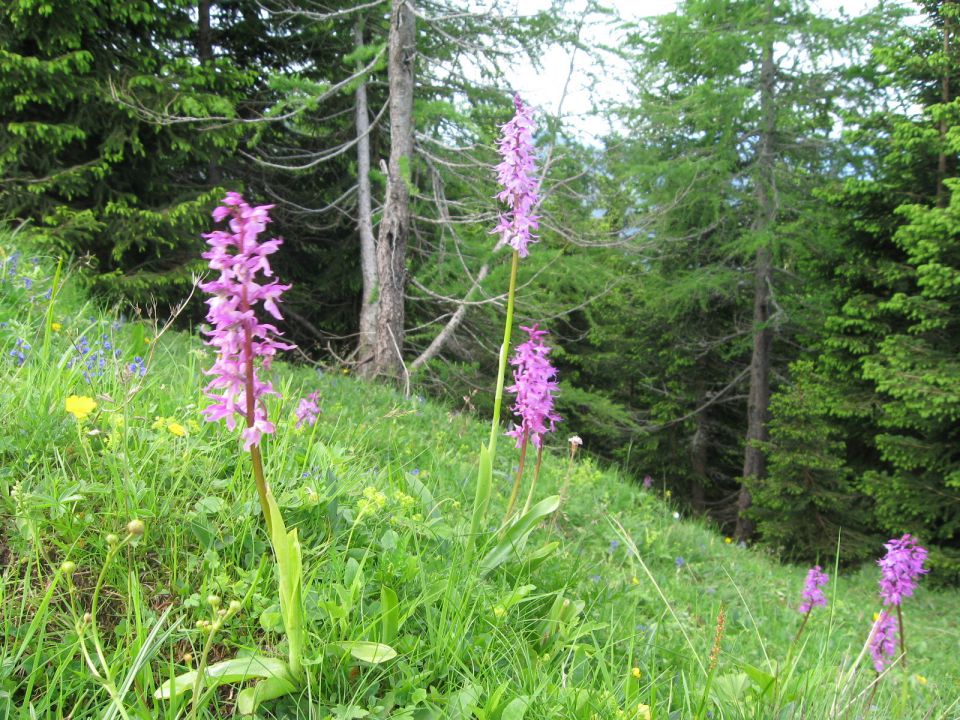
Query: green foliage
79, 158
809, 499
888, 353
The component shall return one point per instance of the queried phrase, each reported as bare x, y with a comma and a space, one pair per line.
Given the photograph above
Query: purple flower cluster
19, 352
138, 367
812, 594
93, 357
883, 642
534, 384
237, 334
12, 264
308, 409
520, 186
900, 568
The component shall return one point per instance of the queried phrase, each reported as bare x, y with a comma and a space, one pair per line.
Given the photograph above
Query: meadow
135, 553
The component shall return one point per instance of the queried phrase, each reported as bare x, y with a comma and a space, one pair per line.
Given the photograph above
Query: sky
599, 78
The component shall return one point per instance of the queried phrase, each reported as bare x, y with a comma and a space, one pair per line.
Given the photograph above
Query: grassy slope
354, 485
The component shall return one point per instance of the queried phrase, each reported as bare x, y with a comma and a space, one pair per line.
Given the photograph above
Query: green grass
380, 490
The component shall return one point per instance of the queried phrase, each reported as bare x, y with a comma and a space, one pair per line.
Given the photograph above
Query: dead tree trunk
758, 403
396, 221
368, 247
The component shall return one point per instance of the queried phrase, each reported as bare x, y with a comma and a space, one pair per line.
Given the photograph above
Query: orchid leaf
370, 652
390, 614
516, 535
228, 671
286, 547
480, 500
269, 689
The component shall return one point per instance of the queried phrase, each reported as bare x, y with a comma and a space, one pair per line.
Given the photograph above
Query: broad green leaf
730, 690
249, 699
228, 671
516, 535
462, 704
761, 679
286, 547
370, 652
515, 709
390, 611
536, 557
480, 499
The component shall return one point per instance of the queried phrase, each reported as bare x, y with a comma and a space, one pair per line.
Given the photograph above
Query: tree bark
205, 56
758, 403
368, 245
204, 46
699, 445
944, 98
395, 223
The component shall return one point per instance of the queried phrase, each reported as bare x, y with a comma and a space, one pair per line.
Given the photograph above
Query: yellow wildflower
636, 673
728, 540
177, 429
56, 327
667, 494
921, 679
80, 406
634, 580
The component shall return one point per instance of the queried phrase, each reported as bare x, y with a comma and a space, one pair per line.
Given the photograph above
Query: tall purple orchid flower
883, 642
516, 174
517, 228
900, 568
308, 410
238, 335
812, 595
534, 383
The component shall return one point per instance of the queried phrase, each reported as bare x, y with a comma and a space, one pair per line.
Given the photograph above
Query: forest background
752, 282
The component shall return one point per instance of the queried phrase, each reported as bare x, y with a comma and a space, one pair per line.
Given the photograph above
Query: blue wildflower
137, 367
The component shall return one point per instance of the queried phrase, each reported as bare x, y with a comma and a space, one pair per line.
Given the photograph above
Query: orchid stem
903, 640
516, 483
802, 626
533, 485
251, 400
262, 489
504, 351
